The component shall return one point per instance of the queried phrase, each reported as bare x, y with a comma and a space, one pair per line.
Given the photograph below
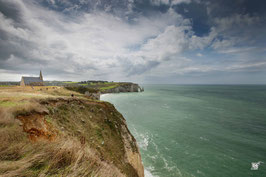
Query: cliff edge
44, 134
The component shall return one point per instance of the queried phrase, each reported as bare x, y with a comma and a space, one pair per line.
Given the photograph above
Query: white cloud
175, 2
199, 55
100, 45
160, 2
7, 75
244, 66
236, 29
92, 43
238, 20
169, 2
234, 50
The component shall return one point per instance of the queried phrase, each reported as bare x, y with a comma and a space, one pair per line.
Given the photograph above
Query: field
15, 95
105, 85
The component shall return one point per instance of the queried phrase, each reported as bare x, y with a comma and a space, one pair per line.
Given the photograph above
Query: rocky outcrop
93, 96
123, 87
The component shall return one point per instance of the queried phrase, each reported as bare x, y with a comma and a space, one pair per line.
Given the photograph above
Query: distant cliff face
94, 91
67, 137
124, 87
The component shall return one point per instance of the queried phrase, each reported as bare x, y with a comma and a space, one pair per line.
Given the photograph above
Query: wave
104, 95
147, 173
151, 153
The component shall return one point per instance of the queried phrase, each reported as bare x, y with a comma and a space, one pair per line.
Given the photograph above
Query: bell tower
41, 75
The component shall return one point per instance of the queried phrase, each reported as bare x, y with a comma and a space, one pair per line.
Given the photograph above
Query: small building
32, 81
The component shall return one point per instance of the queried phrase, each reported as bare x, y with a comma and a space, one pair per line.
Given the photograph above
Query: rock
93, 96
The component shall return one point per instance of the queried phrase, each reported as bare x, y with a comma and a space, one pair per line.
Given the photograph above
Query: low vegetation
81, 89
70, 82
7, 85
46, 132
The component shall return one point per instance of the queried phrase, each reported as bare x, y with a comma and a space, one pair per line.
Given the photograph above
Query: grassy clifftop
104, 87
46, 132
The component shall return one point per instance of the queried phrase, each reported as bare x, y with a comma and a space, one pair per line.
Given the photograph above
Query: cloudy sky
145, 41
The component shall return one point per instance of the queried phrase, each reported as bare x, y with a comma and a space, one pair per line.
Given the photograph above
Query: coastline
199, 121
147, 172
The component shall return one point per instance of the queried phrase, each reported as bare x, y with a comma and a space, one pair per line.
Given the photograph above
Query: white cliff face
132, 155
126, 87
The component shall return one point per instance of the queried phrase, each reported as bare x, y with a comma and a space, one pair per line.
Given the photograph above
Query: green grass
48, 119
109, 87
9, 103
100, 83
81, 89
70, 82
7, 85
104, 86
83, 84
108, 83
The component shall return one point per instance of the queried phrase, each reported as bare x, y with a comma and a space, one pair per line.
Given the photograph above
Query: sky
143, 41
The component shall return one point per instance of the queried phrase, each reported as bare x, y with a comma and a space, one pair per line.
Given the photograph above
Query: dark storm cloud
13, 44
10, 10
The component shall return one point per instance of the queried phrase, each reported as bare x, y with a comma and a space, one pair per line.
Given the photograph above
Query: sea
198, 130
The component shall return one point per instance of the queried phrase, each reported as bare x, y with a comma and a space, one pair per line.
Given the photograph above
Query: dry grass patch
45, 133
23, 156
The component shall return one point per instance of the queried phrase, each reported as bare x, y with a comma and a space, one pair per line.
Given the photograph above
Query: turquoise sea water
197, 130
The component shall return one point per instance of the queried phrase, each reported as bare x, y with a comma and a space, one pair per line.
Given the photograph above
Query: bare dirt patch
37, 127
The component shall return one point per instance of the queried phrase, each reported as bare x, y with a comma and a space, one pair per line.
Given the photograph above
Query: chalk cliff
123, 87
